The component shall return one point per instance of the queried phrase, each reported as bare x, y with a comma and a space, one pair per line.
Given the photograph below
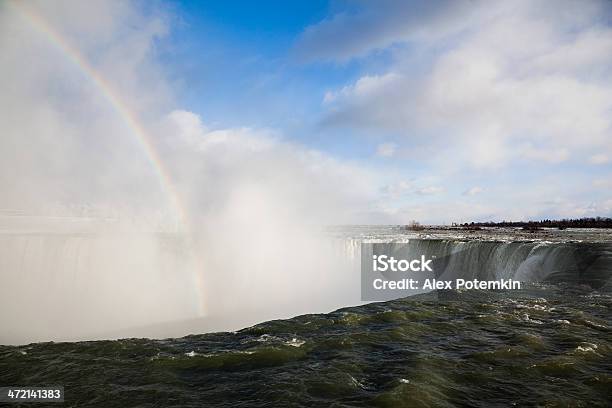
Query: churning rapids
548, 344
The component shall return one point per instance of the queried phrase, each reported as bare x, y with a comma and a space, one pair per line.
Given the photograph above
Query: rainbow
131, 122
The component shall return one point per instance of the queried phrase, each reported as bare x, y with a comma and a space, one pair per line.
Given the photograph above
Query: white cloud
398, 189
366, 86
429, 190
61, 132
603, 183
375, 27
507, 93
473, 191
545, 154
386, 149
403, 187
497, 93
599, 159
312, 185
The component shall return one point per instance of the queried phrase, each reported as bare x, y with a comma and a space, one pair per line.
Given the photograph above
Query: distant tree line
596, 222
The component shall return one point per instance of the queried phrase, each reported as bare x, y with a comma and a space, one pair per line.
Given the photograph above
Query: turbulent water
549, 344
544, 346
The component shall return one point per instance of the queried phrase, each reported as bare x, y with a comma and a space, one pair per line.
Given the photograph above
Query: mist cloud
96, 247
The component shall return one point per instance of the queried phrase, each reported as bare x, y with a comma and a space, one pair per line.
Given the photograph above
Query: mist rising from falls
66, 286
60, 285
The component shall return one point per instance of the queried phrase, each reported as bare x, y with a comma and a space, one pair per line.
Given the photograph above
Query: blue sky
442, 111
231, 57
277, 65
238, 64
235, 55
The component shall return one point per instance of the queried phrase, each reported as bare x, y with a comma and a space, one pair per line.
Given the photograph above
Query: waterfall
87, 283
